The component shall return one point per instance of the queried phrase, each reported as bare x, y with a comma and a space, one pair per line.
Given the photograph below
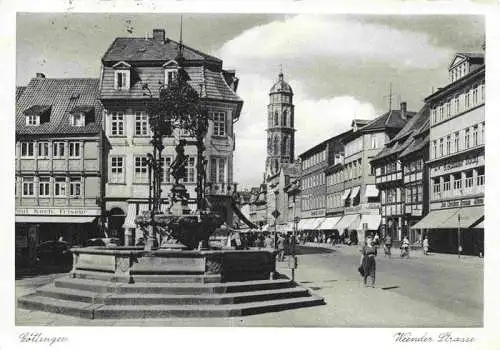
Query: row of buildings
403, 173
81, 144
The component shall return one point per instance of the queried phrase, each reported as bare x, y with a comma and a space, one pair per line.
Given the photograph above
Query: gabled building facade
361, 197
456, 159
128, 67
58, 163
401, 181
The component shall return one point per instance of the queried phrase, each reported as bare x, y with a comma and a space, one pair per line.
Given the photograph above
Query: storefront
37, 225
449, 229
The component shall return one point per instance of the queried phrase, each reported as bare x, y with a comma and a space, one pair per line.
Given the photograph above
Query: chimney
40, 75
159, 35
403, 110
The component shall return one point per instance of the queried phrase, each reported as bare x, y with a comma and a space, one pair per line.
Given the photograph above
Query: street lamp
459, 238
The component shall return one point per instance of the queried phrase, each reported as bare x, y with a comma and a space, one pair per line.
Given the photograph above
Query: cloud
315, 121
338, 37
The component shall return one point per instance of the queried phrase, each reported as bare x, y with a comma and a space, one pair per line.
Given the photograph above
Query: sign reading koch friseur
58, 211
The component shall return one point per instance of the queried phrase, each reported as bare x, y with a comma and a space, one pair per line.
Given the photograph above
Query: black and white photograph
189, 169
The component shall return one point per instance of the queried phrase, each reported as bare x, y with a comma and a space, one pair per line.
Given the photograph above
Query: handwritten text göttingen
28, 337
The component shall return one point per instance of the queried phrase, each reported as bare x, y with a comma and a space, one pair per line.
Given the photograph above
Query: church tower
280, 126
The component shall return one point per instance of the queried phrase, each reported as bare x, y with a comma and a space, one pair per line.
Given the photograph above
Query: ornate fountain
178, 108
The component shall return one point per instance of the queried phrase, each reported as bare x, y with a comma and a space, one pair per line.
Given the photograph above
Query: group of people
247, 240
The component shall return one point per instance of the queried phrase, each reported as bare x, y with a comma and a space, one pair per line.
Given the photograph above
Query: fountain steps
94, 298
170, 278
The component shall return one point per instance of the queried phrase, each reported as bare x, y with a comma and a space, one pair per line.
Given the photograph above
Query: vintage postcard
239, 168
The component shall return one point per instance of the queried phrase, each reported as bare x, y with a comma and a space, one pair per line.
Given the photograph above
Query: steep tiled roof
142, 49
391, 119
61, 96
405, 138
19, 91
416, 145
472, 54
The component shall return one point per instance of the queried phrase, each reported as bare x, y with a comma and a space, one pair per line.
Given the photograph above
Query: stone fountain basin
123, 263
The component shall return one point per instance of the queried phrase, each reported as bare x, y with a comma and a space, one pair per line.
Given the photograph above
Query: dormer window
122, 75
32, 120
171, 71
36, 115
78, 119
81, 115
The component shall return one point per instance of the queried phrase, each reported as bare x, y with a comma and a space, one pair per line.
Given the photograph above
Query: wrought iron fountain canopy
179, 107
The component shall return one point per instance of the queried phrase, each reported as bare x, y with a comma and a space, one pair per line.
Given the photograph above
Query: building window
60, 187
436, 187
283, 118
43, 149
474, 95
190, 170
434, 149
457, 104
32, 120
170, 76
219, 119
475, 130
374, 141
441, 112
482, 133
218, 170
441, 147
467, 138
117, 174
117, 124
58, 150
457, 184
434, 115
141, 169
27, 149
75, 187
480, 176
467, 99
165, 168
74, 149
483, 94
448, 109
457, 141
141, 124
122, 80
276, 119
28, 186
77, 119
469, 179
446, 183
44, 187
448, 144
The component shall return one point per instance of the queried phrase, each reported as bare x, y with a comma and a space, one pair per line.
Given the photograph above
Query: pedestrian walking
368, 266
268, 242
281, 248
387, 245
425, 245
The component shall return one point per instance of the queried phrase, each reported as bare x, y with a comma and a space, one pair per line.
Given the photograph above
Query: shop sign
463, 162
461, 203
58, 211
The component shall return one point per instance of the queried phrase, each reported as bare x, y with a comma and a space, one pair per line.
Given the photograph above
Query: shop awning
355, 192
345, 221
329, 223
464, 218
480, 225
309, 223
434, 219
131, 214
346, 194
372, 221
371, 191
55, 219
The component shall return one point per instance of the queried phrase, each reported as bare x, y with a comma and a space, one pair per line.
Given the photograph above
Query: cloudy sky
340, 66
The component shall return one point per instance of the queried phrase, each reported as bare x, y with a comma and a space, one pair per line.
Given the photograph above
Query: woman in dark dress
369, 252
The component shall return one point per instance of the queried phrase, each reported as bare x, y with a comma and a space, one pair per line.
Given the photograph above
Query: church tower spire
280, 126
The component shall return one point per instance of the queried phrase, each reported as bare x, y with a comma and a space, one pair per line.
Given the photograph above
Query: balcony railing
220, 188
